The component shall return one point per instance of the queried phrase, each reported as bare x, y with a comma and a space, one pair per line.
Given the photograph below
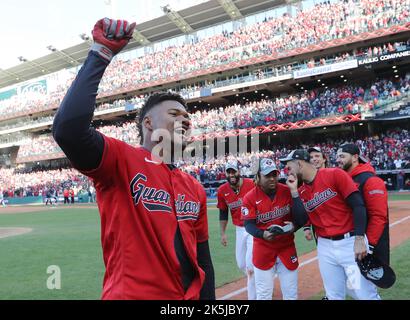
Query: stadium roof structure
171, 24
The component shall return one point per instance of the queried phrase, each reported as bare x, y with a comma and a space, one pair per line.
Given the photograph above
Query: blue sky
29, 26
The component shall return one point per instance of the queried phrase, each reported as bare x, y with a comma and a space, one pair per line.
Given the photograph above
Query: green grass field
398, 196
70, 239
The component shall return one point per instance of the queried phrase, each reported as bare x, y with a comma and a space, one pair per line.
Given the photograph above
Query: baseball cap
353, 149
315, 149
266, 166
376, 271
232, 165
298, 154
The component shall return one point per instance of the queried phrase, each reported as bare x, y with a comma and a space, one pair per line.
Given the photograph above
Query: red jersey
258, 205
227, 198
141, 202
324, 201
375, 198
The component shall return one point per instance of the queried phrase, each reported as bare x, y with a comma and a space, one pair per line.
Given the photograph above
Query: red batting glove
110, 36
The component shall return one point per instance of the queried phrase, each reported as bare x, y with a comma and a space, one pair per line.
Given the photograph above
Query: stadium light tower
64, 55
35, 65
86, 38
51, 48
176, 18
166, 8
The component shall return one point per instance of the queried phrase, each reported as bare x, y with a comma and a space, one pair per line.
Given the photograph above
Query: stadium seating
322, 22
388, 151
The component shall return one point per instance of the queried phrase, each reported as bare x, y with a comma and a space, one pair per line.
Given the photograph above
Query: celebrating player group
154, 224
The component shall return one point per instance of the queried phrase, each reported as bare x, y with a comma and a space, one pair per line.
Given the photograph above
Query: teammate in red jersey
374, 194
267, 204
319, 160
154, 228
230, 196
330, 200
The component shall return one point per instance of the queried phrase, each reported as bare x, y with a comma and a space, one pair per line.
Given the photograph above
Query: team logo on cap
269, 162
376, 273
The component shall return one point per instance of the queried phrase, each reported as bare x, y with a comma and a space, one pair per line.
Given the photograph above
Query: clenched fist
110, 36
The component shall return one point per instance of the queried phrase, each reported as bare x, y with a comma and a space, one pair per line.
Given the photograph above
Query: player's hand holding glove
277, 230
110, 36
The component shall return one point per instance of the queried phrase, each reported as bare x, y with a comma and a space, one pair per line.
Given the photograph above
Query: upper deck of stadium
170, 25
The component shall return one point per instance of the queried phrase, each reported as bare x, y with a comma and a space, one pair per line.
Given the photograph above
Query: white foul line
399, 221
239, 291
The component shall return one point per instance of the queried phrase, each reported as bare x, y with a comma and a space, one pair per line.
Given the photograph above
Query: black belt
340, 237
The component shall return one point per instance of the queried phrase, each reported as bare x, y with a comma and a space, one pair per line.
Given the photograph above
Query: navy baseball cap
353, 149
298, 154
266, 166
376, 271
232, 165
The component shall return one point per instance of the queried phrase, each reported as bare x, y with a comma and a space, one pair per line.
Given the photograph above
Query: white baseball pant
243, 253
340, 272
264, 280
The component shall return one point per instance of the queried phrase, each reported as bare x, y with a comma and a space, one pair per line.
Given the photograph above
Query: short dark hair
152, 101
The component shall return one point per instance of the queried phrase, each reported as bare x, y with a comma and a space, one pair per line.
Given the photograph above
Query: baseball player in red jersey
375, 198
319, 160
330, 200
230, 196
267, 204
154, 229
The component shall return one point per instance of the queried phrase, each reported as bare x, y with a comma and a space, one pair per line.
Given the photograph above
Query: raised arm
82, 145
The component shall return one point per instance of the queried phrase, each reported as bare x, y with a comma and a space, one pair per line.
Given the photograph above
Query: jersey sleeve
375, 197
201, 225
107, 169
344, 183
221, 203
248, 209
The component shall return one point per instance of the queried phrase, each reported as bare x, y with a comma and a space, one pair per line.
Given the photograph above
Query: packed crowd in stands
45, 144
304, 106
15, 184
387, 151
40, 145
320, 23
16, 104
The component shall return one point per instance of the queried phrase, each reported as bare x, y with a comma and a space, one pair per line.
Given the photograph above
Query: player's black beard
235, 183
347, 166
269, 190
